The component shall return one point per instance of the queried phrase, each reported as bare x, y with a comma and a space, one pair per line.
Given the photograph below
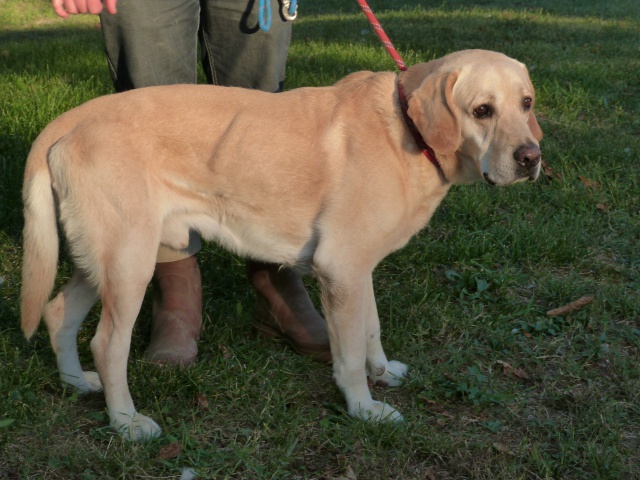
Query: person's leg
155, 42
152, 42
176, 316
237, 53
283, 310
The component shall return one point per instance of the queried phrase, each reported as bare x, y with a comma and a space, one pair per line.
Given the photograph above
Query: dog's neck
420, 141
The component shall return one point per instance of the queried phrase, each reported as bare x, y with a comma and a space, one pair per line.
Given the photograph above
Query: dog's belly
241, 236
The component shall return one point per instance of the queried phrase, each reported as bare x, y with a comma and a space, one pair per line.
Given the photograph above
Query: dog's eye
482, 111
526, 103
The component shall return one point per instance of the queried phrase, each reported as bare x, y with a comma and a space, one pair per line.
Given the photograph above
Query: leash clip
286, 5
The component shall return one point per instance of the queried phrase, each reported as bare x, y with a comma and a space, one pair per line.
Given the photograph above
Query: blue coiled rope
264, 15
264, 12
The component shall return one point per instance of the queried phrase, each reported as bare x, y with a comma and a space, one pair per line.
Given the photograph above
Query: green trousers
155, 42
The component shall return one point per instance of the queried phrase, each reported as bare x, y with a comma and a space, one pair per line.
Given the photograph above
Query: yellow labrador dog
329, 180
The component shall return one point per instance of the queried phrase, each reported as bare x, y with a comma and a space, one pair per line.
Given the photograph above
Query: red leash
426, 149
381, 35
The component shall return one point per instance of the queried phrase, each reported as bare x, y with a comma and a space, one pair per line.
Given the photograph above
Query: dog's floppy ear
536, 131
431, 108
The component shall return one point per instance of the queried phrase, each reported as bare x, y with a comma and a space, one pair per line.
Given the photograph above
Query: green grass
499, 390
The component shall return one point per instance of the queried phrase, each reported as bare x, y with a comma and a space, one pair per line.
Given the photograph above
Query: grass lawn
499, 389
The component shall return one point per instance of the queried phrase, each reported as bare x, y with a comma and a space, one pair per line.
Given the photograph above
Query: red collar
426, 149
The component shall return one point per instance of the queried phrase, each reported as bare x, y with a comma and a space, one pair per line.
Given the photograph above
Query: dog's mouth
529, 177
488, 180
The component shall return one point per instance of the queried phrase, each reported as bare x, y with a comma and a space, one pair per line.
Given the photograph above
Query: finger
81, 6
94, 6
111, 6
70, 7
59, 8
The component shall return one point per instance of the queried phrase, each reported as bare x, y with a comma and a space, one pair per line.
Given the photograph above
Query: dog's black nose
528, 156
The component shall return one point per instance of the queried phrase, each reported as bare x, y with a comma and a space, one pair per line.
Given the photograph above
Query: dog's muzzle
528, 158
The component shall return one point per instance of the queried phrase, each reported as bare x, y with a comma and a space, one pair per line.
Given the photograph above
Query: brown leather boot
283, 310
176, 318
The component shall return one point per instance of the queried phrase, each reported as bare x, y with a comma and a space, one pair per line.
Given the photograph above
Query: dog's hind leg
346, 302
379, 369
127, 272
64, 316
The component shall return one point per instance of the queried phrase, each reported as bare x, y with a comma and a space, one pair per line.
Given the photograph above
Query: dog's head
477, 105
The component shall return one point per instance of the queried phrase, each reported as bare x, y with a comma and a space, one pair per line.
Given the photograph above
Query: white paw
378, 412
390, 375
89, 382
92, 382
137, 428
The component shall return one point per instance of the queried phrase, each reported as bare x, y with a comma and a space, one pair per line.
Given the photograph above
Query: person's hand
64, 8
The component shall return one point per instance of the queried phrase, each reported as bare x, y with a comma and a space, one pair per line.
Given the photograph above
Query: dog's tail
40, 236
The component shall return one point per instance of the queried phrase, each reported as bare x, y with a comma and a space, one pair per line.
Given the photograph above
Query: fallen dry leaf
202, 401
570, 307
520, 373
589, 183
507, 369
430, 474
501, 448
550, 172
170, 451
348, 474
602, 207
358, 449
226, 351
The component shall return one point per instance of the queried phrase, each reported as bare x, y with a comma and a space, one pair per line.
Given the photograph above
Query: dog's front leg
346, 304
110, 346
381, 371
